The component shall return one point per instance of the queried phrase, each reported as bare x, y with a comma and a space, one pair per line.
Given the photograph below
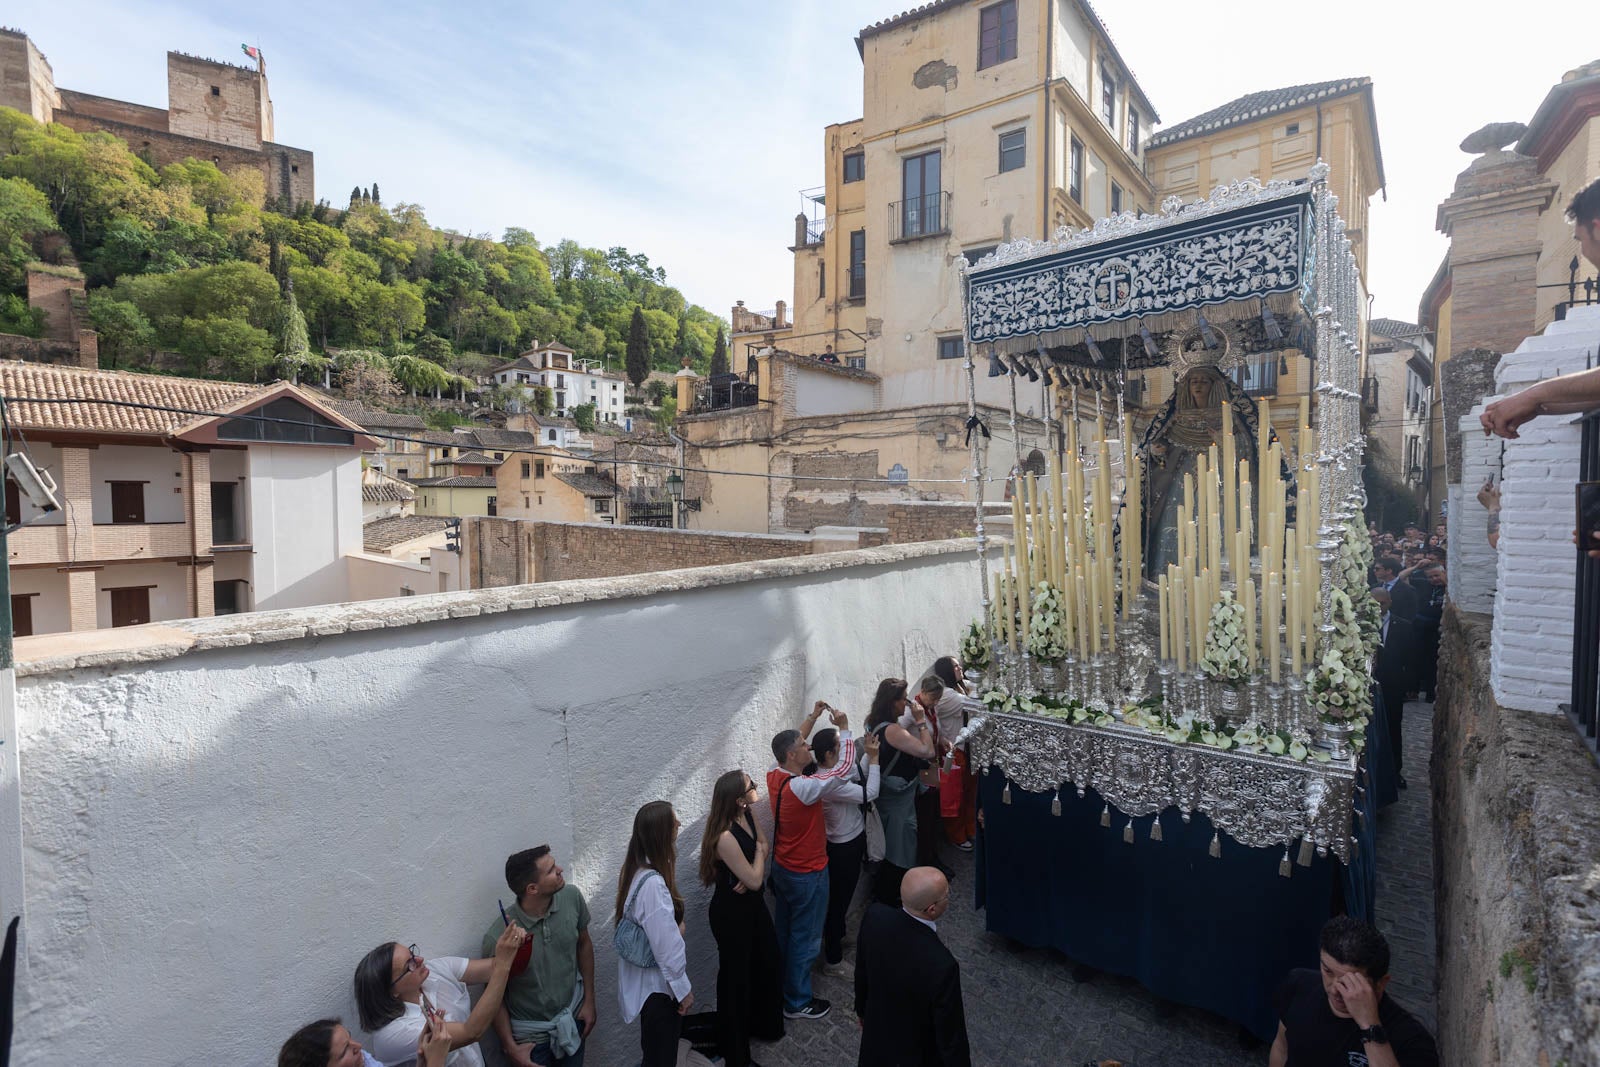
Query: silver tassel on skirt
1155, 829
1283, 865
1055, 804
1216, 846
1305, 852
1005, 794
1105, 815
1127, 833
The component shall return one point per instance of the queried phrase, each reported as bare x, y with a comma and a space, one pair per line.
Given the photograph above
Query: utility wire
82, 402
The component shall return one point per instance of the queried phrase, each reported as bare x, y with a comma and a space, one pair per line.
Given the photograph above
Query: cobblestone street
1025, 1010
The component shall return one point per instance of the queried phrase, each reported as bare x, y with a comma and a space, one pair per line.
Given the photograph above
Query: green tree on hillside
294, 347
583, 416
638, 355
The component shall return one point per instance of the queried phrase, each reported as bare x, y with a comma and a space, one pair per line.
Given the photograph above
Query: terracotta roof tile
85, 387
590, 484
382, 534
1253, 106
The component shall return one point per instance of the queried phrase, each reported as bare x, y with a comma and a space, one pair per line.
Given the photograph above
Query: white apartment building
573, 381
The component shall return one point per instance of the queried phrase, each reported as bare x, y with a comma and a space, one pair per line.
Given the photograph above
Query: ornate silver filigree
1259, 801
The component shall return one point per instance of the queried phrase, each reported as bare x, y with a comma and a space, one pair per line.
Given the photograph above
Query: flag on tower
252, 51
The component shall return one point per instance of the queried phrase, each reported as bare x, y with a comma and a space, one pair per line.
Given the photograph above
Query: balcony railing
723, 391
1584, 711
816, 230
920, 216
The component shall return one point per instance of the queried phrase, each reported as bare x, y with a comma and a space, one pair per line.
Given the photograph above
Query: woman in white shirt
844, 822
391, 980
657, 995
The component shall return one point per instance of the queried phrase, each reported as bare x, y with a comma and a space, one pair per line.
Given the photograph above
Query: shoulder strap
638, 885
882, 730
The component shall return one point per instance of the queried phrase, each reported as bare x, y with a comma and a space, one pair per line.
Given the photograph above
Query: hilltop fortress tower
216, 111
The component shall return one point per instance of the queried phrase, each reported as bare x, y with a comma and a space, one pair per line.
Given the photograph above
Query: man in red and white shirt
800, 849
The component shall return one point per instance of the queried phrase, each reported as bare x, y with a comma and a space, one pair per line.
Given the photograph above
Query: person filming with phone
549, 1008
800, 850
398, 992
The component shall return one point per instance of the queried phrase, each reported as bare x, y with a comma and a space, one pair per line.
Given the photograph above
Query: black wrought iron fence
1584, 711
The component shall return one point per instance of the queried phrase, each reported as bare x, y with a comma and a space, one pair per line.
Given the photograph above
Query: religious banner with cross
1165, 264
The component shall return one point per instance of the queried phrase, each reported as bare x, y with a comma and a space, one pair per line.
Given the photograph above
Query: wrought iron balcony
920, 216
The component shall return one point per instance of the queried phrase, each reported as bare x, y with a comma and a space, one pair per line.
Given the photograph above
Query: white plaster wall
228, 831
381, 577
305, 517
821, 393
162, 468
1074, 42
168, 600
1531, 643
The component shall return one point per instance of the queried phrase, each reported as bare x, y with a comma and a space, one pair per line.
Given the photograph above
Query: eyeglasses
412, 964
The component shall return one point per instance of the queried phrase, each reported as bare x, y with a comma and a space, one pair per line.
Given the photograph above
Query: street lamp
675, 490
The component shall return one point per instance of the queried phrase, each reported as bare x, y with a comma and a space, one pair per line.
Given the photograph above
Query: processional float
1197, 632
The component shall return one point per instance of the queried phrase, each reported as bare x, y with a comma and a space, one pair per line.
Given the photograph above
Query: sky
686, 130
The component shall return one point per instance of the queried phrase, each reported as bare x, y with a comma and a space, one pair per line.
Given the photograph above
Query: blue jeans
542, 1056
802, 904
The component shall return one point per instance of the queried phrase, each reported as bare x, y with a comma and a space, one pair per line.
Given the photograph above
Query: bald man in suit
908, 985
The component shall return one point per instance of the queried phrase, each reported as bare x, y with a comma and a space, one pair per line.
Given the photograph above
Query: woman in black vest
733, 858
904, 754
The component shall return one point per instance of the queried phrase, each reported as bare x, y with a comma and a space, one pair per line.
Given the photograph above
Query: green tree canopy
638, 355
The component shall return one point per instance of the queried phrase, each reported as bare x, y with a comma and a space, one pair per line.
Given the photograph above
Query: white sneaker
842, 969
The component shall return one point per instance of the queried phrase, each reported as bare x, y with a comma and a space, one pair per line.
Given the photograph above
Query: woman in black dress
733, 858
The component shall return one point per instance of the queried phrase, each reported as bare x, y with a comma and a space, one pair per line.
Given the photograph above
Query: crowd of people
840, 806
825, 789
1409, 581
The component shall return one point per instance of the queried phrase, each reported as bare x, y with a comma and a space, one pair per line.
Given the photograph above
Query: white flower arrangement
1355, 561
975, 652
999, 700
1047, 637
1226, 659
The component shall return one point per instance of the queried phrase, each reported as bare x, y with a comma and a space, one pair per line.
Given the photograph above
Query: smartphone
427, 1007
1588, 498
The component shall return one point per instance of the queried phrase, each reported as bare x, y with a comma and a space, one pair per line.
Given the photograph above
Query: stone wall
246, 805
1516, 816
934, 520
40, 350
560, 551
500, 552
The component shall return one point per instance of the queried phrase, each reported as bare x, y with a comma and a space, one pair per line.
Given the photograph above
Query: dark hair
725, 797
309, 1046
890, 691
523, 867
1356, 944
782, 742
944, 668
1585, 206
824, 742
1388, 563
652, 844
374, 986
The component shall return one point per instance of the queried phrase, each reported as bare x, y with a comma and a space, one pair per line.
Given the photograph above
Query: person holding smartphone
327, 1043
397, 991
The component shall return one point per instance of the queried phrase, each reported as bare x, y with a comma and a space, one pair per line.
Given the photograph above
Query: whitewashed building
572, 381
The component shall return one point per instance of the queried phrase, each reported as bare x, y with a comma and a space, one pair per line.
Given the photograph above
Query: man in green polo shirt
549, 1007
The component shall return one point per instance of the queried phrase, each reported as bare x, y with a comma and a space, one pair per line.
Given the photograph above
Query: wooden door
22, 616
130, 607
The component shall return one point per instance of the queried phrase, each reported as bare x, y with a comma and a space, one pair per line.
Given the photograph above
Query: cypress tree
355, 195
719, 354
638, 357
375, 199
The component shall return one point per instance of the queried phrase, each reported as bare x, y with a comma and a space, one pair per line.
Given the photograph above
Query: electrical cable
80, 401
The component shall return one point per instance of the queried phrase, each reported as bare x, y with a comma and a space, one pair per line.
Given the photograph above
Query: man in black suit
1392, 667
908, 985
1387, 570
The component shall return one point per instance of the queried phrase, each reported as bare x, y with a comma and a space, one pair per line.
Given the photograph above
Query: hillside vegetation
196, 261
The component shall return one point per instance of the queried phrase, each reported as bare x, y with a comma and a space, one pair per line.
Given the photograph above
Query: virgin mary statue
1189, 425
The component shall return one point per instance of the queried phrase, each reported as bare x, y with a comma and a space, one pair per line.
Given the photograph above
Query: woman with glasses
733, 858
844, 821
392, 979
905, 753
655, 988
327, 1043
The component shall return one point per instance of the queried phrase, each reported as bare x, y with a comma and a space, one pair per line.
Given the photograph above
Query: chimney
778, 317
800, 230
